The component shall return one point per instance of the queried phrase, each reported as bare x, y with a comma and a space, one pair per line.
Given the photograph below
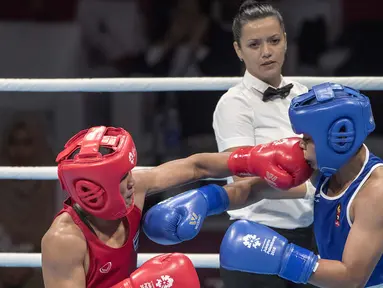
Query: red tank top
108, 266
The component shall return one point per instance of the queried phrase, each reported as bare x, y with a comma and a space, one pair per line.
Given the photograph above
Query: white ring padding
34, 259
49, 173
165, 84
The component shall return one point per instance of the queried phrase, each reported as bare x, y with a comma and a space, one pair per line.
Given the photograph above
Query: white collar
252, 82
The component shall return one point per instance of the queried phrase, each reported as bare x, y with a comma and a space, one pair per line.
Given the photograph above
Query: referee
255, 111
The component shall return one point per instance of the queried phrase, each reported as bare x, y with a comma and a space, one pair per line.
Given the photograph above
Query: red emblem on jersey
337, 217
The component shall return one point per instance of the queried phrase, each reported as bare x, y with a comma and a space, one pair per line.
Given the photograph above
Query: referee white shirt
241, 118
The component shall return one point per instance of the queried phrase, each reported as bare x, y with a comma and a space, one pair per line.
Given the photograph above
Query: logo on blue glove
195, 220
251, 241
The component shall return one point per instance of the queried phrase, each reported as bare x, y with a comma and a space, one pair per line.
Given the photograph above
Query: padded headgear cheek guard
92, 179
338, 118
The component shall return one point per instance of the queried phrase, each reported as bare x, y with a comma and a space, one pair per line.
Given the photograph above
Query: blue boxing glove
252, 247
180, 218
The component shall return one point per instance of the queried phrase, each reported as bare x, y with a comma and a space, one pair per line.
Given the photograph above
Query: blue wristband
216, 197
298, 264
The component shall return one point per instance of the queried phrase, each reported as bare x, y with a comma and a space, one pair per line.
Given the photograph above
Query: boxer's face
127, 188
262, 48
308, 147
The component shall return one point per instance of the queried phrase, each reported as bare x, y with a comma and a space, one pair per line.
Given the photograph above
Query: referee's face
262, 48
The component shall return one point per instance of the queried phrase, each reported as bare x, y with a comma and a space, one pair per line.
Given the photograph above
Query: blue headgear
338, 118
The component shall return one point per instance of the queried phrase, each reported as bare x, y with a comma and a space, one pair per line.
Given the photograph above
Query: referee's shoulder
299, 87
232, 95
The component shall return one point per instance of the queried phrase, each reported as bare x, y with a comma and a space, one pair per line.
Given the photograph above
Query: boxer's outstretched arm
364, 244
182, 171
249, 190
63, 260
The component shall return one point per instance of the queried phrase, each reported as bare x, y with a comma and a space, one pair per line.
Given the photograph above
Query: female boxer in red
92, 242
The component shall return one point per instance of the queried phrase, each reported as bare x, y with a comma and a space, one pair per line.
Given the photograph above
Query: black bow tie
282, 92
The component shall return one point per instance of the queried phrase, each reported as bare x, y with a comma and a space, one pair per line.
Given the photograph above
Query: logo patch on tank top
106, 268
337, 215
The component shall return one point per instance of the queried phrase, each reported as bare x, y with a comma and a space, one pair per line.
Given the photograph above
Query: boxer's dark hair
251, 10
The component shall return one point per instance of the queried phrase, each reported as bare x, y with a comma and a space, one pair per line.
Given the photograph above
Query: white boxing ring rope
165, 84
34, 259
47, 173
136, 85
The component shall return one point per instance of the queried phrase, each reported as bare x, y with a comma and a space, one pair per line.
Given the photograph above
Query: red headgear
92, 179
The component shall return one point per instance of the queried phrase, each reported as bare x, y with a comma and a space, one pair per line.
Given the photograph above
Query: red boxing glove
173, 270
281, 163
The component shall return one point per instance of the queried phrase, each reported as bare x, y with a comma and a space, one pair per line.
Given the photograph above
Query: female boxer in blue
348, 215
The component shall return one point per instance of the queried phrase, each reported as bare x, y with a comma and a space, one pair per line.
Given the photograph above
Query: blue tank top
332, 220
